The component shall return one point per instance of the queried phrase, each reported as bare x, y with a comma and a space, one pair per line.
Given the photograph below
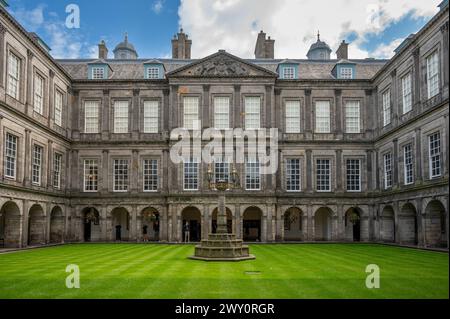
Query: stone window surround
382, 92
44, 163
262, 114
363, 172
57, 88
302, 113
426, 155
45, 91
231, 110
332, 102
382, 153
401, 160
61, 169
332, 159
435, 49
23, 72
100, 177
19, 151
111, 114
283, 167
410, 70
141, 172
142, 100
111, 159
82, 117
362, 114
201, 167
181, 108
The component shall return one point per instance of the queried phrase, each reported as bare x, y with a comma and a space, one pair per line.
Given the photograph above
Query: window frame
388, 173
288, 75
318, 119
151, 75
38, 95
408, 166
121, 118
433, 77
14, 157
86, 117
435, 156
407, 93
37, 164
120, 164
345, 75
15, 78
292, 118
153, 117
57, 170
247, 109
153, 173
195, 114
288, 175
317, 174
356, 115
252, 167
387, 107
95, 169
224, 114
95, 74
359, 176
194, 177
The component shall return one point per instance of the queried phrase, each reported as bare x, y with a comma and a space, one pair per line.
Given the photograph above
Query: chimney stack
342, 51
181, 46
265, 48
102, 50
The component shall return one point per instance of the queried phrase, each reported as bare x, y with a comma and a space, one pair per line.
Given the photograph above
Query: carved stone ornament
221, 66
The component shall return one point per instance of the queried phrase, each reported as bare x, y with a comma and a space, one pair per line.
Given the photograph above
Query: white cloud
31, 19
157, 6
386, 51
233, 25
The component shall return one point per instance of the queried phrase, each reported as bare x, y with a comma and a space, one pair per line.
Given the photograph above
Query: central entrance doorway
193, 218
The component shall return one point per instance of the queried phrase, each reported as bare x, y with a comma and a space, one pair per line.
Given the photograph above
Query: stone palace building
363, 143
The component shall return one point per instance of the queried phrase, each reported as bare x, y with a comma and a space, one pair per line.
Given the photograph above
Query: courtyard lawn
280, 271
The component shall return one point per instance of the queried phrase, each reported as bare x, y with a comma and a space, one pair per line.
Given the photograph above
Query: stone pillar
396, 222
25, 221
420, 229
395, 160
76, 106
340, 223
340, 113
103, 187
418, 157
51, 100
309, 171
339, 186
369, 178
279, 236
170, 234
268, 108
29, 84
173, 108
49, 162
105, 115
369, 116
311, 224
165, 111
134, 115
27, 159
133, 231
163, 225
47, 219
416, 81
308, 113
264, 226
206, 108
445, 66
2, 56
394, 99
238, 221
135, 172
238, 118
377, 169
278, 120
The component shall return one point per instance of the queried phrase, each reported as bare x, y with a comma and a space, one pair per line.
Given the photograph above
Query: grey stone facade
414, 214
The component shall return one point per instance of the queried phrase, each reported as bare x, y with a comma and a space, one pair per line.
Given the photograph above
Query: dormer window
346, 73
153, 73
288, 73
98, 73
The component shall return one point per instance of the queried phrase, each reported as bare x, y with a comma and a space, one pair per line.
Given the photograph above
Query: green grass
279, 271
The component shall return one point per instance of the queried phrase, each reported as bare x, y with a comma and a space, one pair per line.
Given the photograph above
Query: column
163, 225
134, 115
395, 164
338, 112
51, 115
396, 222
369, 177
420, 229
339, 170
394, 95
310, 232
169, 223
264, 226
50, 164
76, 106
2, 50
279, 236
75, 180
165, 111
173, 108
445, 66
340, 222
369, 115
135, 172
416, 81
238, 221
309, 171
418, 157
105, 115
206, 107
377, 168
133, 231
268, 107
277, 120
27, 162
308, 113
237, 108
29, 84
105, 172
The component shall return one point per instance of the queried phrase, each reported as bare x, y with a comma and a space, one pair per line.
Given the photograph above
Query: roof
308, 69
125, 45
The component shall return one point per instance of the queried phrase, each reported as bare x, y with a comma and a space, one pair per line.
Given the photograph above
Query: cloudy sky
374, 27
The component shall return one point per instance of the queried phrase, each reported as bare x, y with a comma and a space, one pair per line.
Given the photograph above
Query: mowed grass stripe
164, 271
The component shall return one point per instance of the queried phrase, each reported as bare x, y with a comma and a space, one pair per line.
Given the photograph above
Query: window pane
353, 175
352, 117
57, 170
435, 154
433, 74
121, 117
90, 175
10, 155
323, 117
407, 93
408, 164
58, 108
37, 165
252, 174
222, 113
151, 116
38, 93
387, 107
150, 175
191, 109
292, 116
387, 170
91, 116
293, 174
13, 76
323, 175
252, 112
120, 175
191, 174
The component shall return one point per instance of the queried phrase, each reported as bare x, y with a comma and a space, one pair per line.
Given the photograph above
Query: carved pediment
221, 64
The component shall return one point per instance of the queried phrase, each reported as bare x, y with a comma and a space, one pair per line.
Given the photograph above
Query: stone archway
120, 219
252, 224
435, 224
57, 225
387, 224
407, 225
191, 217
323, 224
214, 220
91, 224
293, 224
36, 226
150, 224
352, 224
10, 223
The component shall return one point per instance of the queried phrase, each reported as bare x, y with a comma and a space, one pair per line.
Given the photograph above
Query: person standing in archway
186, 232
145, 233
